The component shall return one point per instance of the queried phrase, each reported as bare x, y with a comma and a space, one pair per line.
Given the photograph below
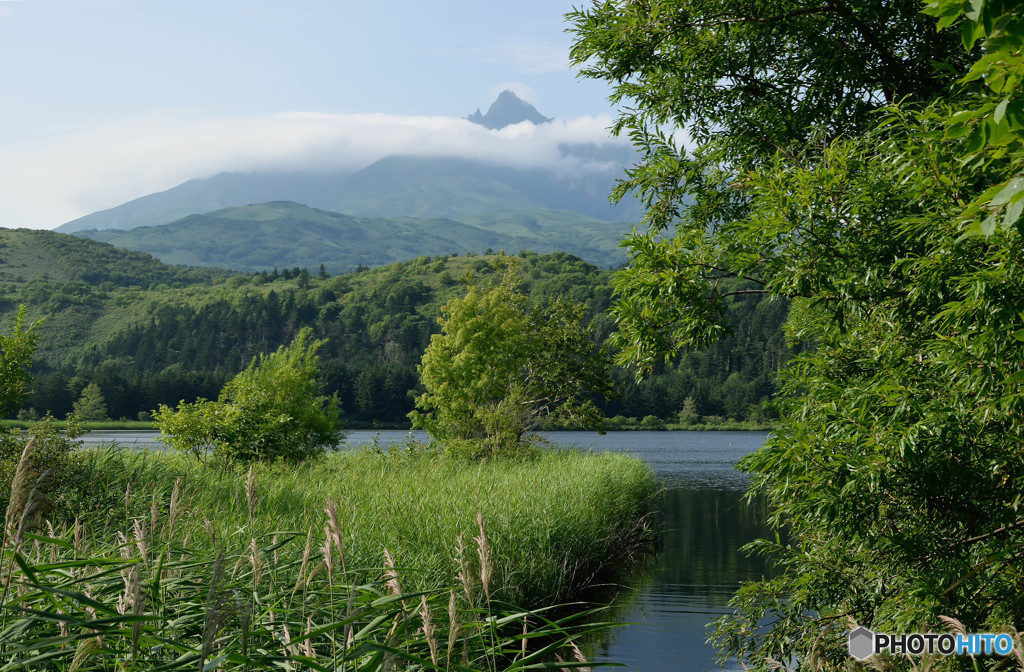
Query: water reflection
688, 584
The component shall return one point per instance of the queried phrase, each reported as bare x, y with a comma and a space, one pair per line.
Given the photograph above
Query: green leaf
977, 140
1012, 188
1000, 111
988, 225
997, 131
971, 32
974, 9
955, 131
1013, 213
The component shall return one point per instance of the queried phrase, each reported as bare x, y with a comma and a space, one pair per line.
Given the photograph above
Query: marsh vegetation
363, 561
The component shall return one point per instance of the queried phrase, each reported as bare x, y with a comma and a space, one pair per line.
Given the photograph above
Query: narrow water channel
699, 567
704, 519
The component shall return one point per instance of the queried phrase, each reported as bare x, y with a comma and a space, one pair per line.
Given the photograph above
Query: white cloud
44, 183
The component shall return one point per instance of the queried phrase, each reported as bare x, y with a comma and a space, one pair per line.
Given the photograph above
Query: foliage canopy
499, 366
271, 410
879, 187
711, 90
16, 349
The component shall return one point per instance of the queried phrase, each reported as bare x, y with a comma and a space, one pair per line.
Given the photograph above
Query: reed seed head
453, 624
139, 531
217, 608
306, 552
256, 560
174, 508
28, 502
211, 529
251, 496
20, 487
391, 574
580, 658
334, 530
308, 641
428, 628
83, 651
465, 575
484, 551
328, 558
79, 538
154, 512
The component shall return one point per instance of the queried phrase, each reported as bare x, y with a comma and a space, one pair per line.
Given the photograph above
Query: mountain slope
224, 190
397, 186
286, 234
406, 185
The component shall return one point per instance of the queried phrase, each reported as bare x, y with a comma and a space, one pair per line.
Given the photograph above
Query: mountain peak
508, 109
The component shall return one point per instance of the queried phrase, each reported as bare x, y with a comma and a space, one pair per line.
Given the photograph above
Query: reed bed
358, 561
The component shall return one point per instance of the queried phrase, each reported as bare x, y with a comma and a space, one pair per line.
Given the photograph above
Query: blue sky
108, 100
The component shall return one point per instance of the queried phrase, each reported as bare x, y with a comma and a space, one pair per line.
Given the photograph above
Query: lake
704, 519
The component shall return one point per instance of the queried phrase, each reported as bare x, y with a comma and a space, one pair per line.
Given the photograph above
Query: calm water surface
704, 519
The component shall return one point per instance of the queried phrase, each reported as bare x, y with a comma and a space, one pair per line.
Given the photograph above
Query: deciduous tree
710, 90
882, 195
91, 405
499, 367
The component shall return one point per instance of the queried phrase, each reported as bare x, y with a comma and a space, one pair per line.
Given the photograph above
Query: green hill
285, 234
147, 333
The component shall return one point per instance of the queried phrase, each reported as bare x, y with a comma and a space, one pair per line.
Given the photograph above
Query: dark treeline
168, 337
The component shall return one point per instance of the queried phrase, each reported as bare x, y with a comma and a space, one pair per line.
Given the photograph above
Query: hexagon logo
862, 643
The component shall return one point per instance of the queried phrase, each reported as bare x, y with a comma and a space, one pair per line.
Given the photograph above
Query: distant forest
147, 334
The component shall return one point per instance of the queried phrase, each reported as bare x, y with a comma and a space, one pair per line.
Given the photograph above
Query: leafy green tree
712, 89
885, 204
271, 410
688, 413
499, 367
16, 349
91, 405
991, 123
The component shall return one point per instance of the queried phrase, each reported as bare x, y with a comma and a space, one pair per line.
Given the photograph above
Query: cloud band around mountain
73, 172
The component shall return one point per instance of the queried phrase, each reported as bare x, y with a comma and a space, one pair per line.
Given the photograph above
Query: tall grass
359, 561
556, 521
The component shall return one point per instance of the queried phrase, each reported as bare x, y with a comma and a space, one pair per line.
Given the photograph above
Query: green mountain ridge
147, 333
285, 234
395, 186
407, 185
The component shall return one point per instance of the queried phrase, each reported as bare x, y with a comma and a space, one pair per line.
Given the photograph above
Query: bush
272, 410
51, 462
652, 422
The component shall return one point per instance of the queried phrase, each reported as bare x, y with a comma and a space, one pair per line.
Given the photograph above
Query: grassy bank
345, 558
352, 560
555, 521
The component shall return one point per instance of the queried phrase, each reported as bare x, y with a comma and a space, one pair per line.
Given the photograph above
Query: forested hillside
147, 333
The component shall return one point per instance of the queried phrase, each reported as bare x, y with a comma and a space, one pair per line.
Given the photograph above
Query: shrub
272, 410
